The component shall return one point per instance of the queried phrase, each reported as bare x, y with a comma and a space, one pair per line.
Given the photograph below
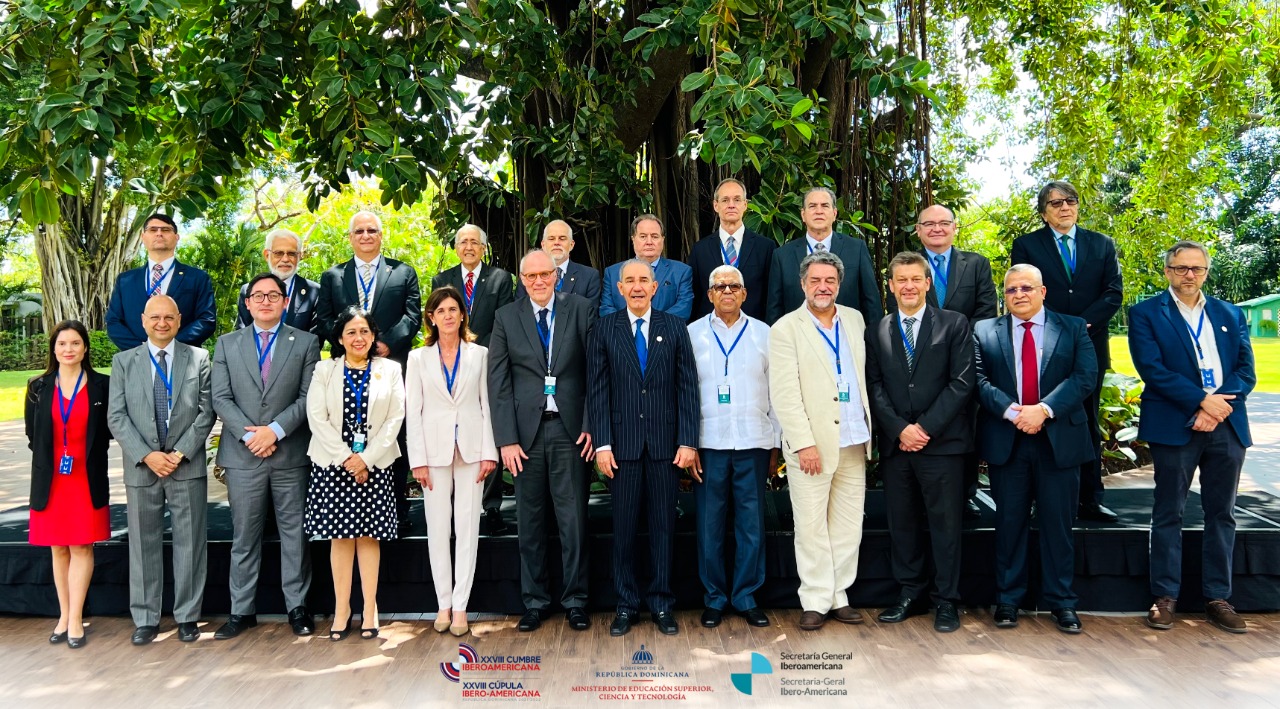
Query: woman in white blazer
355, 407
451, 451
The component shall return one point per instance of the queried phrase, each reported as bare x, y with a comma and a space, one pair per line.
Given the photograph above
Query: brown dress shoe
1160, 616
848, 615
1221, 614
811, 620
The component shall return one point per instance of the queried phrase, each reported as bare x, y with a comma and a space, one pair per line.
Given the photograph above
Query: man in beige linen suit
816, 383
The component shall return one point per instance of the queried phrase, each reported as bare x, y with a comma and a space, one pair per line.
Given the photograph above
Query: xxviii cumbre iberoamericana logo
759, 666
480, 670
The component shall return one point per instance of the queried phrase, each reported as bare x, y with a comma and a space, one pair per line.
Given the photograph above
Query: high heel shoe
335, 635
458, 629
441, 624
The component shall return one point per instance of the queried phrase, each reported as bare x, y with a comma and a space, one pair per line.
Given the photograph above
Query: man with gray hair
571, 277
673, 279
733, 244
283, 252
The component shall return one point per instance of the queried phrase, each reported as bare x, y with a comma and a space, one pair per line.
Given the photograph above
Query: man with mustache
283, 252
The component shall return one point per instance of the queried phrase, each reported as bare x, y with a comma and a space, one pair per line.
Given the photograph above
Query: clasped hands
163, 464
686, 458
1030, 418
1213, 410
263, 441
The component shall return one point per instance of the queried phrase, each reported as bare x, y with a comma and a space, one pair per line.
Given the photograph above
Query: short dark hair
349, 313
909, 258
645, 218
434, 300
61, 327
1042, 199
157, 216
266, 277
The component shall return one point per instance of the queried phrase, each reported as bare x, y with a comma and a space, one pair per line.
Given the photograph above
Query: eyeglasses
726, 287
372, 231
285, 254
945, 224
1069, 201
541, 276
1184, 270
160, 230
1014, 290
269, 297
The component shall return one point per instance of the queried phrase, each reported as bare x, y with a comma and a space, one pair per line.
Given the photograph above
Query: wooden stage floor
1117, 662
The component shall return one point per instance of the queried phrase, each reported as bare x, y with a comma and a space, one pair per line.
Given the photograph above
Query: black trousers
646, 484
552, 483
922, 489
1091, 472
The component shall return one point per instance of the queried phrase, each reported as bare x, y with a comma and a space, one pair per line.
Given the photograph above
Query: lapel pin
304, 291
1224, 328
291, 338
659, 338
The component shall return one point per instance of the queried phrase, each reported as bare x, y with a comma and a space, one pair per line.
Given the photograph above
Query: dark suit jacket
302, 306
675, 289
396, 307
39, 424
517, 369
1094, 293
189, 287
755, 256
970, 289
578, 280
1068, 374
935, 394
493, 289
652, 413
860, 289
1166, 360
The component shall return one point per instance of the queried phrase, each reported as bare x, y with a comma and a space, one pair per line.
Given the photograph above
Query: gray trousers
249, 492
186, 501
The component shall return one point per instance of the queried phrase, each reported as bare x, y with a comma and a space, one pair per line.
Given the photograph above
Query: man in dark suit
860, 289
1083, 277
484, 289
572, 277
537, 396
920, 377
1196, 364
189, 287
388, 289
261, 375
1034, 369
283, 252
735, 245
644, 414
962, 283
674, 280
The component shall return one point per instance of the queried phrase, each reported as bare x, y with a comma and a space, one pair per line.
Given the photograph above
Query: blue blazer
652, 413
1068, 374
189, 287
675, 290
1163, 354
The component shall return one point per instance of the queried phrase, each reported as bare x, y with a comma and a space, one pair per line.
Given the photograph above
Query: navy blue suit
189, 287
578, 280
644, 417
1160, 342
675, 289
1045, 466
859, 290
755, 257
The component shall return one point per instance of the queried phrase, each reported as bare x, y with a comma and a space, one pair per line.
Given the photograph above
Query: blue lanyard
450, 377
66, 412
732, 347
257, 345
289, 299
939, 274
1195, 335
358, 391
911, 350
734, 262
366, 287
835, 346
167, 381
545, 339
154, 289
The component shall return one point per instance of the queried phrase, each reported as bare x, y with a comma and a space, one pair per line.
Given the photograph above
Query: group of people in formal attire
787, 353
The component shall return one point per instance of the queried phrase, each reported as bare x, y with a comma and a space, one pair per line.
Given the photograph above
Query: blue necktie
941, 281
1068, 258
642, 347
545, 332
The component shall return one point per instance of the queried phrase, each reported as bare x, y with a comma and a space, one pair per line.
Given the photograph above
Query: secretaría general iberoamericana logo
759, 666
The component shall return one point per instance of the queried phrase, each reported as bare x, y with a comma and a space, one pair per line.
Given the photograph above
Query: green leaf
636, 33
60, 100
379, 134
695, 81
800, 107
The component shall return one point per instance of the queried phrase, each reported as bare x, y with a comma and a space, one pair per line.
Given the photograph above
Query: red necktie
1030, 368
471, 286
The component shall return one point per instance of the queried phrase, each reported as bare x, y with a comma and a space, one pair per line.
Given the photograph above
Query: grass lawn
1266, 354
13, 385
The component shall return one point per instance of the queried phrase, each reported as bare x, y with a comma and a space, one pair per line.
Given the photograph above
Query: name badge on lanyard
842, 387
549, 385
359, 439
722, 394
548, 382
1207, 379
64, 411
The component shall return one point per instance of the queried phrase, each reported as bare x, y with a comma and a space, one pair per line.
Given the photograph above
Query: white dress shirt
737, 240
271, 347
169, 349
813, 243
747, 421
551, 338
373, 280
1037, 335
853, 422
166, 267
644, 330
1207, 344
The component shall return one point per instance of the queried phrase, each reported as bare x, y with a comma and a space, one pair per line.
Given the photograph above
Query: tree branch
635, 122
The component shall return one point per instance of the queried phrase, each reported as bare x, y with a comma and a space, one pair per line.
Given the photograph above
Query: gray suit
240, 400
132, 419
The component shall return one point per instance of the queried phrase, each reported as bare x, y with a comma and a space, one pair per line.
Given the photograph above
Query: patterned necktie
822, 246
471, 288
1030, 368
941, 282
157, 275
545, 331
642, 347
366, 282
910, 324
1068, 257
265, 337
160, 395
731, 254
559, 277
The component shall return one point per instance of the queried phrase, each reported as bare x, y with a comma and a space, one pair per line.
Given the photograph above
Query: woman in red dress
66, 417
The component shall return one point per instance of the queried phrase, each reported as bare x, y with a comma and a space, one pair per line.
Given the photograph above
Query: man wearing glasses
733, 244
1082, 275
1196, 364
283, 252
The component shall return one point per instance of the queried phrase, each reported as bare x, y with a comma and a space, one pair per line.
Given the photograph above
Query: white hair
653, 275
534, 252
726, 269
552, 223
363, 213
277, 233
1025, 268
484, 238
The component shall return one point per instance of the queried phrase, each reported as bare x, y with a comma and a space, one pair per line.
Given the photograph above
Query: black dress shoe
945, 618
711, 617
491, 524
1006, 615
755, 617
144, 634
301, 622
1096, 513
622, 623
579, 619
188, 632
530, 621
666, 622
971, 510
903, 609
235, 625
1067, 620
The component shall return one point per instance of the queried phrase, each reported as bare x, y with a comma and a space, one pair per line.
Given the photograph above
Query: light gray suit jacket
240, 399
132, 419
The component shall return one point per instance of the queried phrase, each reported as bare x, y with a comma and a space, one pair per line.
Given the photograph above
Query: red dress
70, 518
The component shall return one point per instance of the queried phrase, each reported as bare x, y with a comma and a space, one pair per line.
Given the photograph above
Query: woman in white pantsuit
451, 451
